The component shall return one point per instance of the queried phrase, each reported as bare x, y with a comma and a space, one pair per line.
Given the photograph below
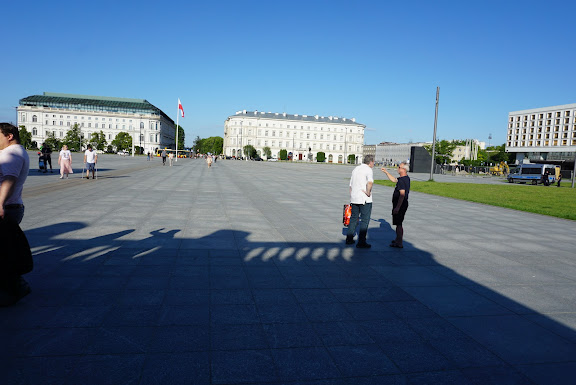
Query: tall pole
432, 162
177, 117
574, 171
345, 137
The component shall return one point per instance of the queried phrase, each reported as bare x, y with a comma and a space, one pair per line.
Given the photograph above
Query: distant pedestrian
559, 179
14, 166
164, 157
361, 183
46, 154
546, 179
209, 161
90, 159
170, 159
65, 162
399, 201
148, 153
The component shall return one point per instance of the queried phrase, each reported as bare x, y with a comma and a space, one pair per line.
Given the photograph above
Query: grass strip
553, 201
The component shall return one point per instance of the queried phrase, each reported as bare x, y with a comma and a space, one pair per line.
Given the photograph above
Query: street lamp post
345, 138
432, 162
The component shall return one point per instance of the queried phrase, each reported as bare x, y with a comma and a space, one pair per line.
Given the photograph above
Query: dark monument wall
419, 159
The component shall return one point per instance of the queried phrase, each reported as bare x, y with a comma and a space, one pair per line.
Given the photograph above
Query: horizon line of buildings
536, 135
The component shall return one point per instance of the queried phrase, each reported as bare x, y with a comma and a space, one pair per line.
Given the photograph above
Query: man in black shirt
399, 201
46, 154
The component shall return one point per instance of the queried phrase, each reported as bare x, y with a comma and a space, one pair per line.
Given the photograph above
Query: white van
534, 173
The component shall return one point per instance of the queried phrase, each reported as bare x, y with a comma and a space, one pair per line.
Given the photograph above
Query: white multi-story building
395, 153
302, 136
149, 127
542, 134
467, 152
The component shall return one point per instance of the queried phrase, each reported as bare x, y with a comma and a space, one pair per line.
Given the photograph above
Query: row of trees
445, 151
75, 140
213, 145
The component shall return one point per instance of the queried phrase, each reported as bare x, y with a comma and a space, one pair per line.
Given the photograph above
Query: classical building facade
302, 136
149, 127
542, 134
369, 149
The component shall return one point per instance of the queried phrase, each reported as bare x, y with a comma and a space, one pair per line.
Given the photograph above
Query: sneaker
363, 246
350, 240
61, 177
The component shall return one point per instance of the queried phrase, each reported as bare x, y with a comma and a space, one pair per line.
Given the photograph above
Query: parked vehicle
535, 173
500, 169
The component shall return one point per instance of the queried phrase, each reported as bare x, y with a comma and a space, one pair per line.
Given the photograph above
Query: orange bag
347, 214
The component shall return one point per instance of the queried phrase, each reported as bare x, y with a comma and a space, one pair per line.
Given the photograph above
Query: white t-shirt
14, 162
65, 154
360, 177
90, 156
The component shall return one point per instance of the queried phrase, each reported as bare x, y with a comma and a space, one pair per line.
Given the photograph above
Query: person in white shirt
90, 158
361, 184
14, 166
65, 162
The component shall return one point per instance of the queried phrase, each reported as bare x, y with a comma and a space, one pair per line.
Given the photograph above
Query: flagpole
177, 116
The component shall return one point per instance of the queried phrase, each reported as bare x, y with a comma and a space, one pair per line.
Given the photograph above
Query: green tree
444, 150
98, 140
52, 142
351, 158
321, 157
267, 152
498, 154
213, 145
283, 154
217, 144
25, 137
181, 137
74, 138
122, 141
250, 151
196, 145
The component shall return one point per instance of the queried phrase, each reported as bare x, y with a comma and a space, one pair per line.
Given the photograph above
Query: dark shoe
363, 246
350, 240
396, 245
9, 297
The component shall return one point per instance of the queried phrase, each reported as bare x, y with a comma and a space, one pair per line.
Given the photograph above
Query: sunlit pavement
238, 274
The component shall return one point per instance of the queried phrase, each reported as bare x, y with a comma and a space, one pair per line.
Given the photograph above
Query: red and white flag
180, 107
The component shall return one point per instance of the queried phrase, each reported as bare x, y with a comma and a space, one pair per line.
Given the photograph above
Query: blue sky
377, 61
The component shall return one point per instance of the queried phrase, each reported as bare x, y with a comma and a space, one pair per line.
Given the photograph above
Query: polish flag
180, 107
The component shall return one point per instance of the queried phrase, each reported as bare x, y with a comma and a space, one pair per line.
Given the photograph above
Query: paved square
239, 274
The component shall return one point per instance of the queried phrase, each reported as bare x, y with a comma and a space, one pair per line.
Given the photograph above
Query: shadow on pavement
224, 309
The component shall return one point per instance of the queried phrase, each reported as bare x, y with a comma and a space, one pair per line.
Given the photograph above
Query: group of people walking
361, 183
65, 160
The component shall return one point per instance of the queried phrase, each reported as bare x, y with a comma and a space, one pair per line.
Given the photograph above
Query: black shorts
397, 219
